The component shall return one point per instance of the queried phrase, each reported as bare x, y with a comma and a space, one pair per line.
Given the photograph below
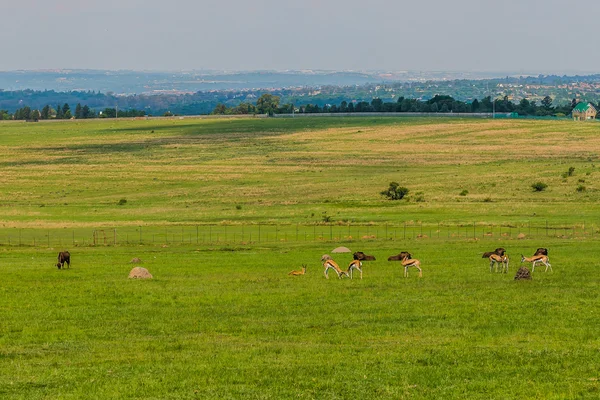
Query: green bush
464, 192
395, 191
122, 202
539, 186
581, 188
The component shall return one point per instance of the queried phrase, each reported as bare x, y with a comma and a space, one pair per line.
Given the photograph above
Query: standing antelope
296, 273
411, 262
495, 259
355, 264
333, 265
541, 258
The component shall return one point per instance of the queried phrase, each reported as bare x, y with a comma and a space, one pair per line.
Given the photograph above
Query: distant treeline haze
270, 104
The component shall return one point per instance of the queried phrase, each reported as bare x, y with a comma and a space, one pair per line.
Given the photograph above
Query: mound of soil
523, 273
140, 273
521, 236
341, 249
135, 260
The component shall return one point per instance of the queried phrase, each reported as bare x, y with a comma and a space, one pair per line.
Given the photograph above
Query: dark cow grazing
64, 257
499, 252
400, 257
360, 256
541, 252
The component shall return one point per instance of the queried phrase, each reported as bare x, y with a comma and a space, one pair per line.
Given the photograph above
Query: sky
528, 36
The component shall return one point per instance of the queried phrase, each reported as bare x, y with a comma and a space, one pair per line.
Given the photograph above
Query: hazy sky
471, 35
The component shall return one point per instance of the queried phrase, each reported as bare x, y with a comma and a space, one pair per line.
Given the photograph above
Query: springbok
333, 265
355, 264
495, 259
296, 273
541, 258
499, 252
411, 262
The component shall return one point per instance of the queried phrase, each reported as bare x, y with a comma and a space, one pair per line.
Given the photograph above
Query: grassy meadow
222, 319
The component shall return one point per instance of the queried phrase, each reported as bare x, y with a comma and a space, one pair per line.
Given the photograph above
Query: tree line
270, 104
26, 113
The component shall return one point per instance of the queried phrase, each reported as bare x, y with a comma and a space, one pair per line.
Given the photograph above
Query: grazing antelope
499, 251
355, 264
296, 273
495, 259
541, 258
333, 265
411, 262
64, 257
325, 257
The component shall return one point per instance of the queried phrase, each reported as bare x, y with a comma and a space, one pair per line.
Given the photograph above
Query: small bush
581, 188
581, 180
571, 171
539, 186
395, 191
565, 175
487, 200
238, 207
122, 202
464, 193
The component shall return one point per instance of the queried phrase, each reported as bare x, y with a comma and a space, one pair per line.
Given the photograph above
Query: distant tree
220, 109
45, 114
344, 106
434, 108
59, 112
351, 107
573, 104
267, 104
86, 112
78, 113
377, 105
66, 111
444, 108
395, 191
475, 105
547, 103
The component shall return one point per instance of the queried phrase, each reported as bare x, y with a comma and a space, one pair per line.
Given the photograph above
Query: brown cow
360, 256
541, 252
400, 257
499, 252
64, 257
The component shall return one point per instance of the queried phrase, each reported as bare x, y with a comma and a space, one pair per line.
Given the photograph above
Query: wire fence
273, 233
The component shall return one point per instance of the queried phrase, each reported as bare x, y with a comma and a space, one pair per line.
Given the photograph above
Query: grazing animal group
404, 257
499, 257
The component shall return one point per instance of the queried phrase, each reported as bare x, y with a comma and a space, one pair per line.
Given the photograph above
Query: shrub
464, 193
581, 188
395, 191
238, 207
571, 171
539, 186
487, 200
122, 202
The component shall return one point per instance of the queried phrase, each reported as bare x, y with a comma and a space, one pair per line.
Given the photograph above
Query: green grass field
222, 319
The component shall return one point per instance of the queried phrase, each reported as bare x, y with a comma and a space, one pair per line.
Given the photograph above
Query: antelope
296, 273
540, 258
499, 251
325, 257
333, 265
355, 264
64, 257
411, 262
496, 259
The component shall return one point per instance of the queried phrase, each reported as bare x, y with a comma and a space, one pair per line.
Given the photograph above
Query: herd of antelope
498, 259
